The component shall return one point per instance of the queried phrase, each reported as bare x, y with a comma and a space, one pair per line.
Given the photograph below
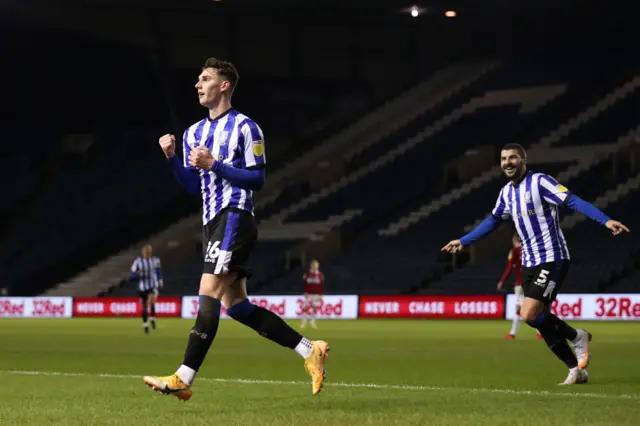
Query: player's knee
236, 293
528, 314
240, 311
532, 317
215, 286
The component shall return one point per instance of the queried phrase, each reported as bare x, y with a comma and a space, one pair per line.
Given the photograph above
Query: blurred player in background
147, 272
313, 288
531, 201
224, 161
514, 263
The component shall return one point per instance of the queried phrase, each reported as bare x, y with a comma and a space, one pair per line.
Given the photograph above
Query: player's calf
200, 338
549, 327
270, 326
152, 317
145, 318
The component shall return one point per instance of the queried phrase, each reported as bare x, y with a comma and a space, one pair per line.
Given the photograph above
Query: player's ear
226, 85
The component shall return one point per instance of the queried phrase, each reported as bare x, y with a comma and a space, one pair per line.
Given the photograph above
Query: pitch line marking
348, 385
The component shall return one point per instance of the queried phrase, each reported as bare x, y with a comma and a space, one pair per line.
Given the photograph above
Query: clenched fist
168, 145
201, 158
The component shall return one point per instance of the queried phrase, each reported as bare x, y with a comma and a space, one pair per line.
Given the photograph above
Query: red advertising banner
123, 307
289, 307
35, 307
446, 307
599, 307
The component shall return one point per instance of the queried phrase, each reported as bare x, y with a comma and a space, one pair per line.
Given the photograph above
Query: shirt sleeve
552, 191
134, 266
158, 268
187, 140
501, 209
254, 148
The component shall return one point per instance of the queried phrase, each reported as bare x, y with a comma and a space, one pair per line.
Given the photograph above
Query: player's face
314, 266
210, 87
146, 251
512, 163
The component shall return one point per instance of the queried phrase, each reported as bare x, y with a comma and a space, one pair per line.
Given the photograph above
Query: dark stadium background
89, 86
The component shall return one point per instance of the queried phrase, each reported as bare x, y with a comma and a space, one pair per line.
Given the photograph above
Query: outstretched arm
487, 226
558, 194
592, 212
499, 214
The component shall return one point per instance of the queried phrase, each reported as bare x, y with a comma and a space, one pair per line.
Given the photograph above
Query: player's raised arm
187, 178
557, 194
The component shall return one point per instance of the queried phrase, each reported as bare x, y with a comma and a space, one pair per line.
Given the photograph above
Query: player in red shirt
313, 288
514, 263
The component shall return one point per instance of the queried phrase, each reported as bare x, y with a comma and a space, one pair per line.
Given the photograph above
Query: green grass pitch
89, 372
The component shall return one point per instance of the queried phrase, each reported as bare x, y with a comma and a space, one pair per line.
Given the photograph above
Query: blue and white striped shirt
147, 271
533, 204
235, 140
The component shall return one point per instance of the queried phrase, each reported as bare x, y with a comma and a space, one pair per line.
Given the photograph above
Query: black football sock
562, 328
553, 334
153, 310
266, 323
144, 315
203, 332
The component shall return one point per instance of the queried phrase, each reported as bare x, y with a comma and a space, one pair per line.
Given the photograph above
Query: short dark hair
517, 147
224, 69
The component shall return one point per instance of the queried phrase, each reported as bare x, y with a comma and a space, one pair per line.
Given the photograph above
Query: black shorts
227, 242
144, 294
543, 282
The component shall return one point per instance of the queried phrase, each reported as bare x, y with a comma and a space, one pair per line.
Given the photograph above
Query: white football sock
304, 348
186, 374
515, 325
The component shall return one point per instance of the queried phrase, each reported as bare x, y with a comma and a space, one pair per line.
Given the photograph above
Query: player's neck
222, 106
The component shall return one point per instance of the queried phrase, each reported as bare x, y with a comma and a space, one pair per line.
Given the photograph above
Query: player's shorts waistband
225, 210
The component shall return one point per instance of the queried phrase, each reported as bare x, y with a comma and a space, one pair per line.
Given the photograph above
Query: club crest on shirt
527, 197
223, 138
258, 148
